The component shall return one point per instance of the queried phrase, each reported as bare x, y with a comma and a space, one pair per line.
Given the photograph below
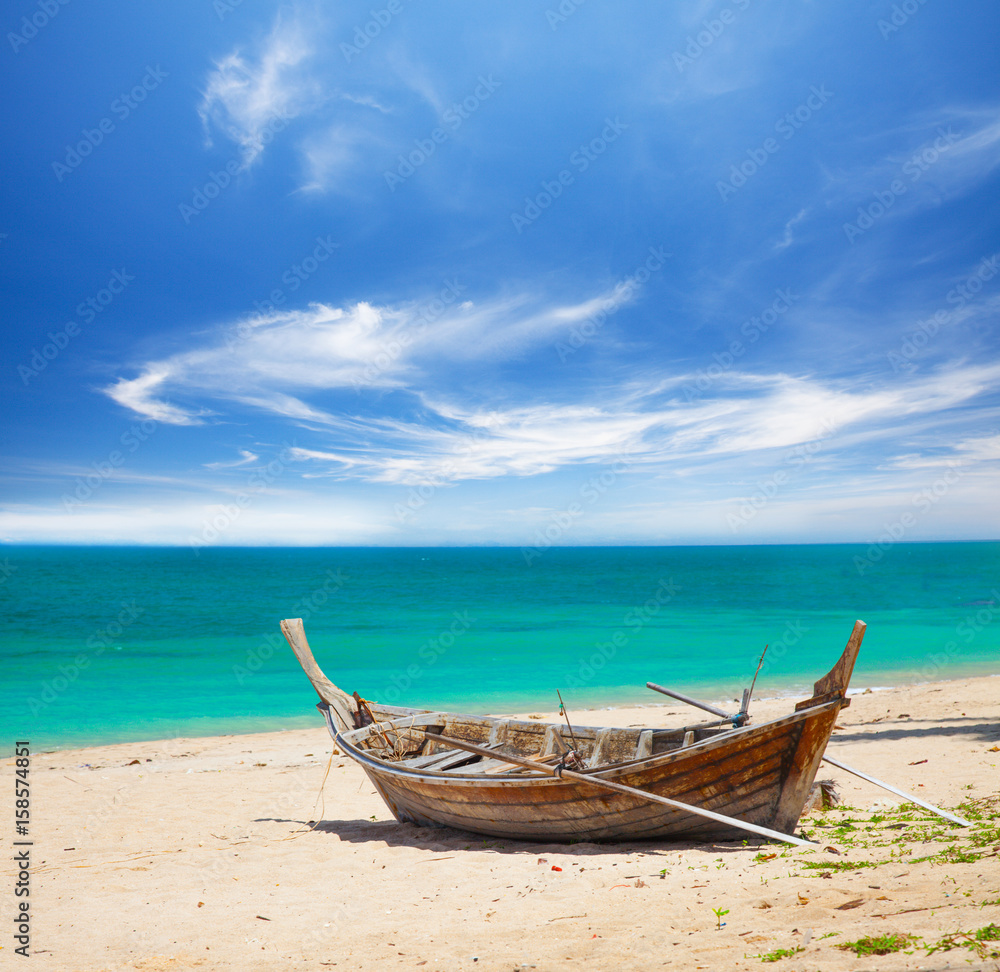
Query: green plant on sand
975, 941
878, 944
780, 953
719, 912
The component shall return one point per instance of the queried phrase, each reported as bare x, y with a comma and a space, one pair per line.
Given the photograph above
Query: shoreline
550, 715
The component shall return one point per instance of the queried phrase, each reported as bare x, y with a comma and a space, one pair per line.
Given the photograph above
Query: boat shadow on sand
906, 727
446, 840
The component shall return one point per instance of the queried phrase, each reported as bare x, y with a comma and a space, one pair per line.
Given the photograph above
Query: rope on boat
398, 746
319, 796
570, 761
364, 709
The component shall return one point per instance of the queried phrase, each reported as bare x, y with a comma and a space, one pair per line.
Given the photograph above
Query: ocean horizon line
128, 544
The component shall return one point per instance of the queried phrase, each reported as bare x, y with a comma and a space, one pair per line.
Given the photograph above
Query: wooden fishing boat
530, 780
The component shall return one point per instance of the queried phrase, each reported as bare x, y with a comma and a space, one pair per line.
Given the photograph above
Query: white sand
193, 858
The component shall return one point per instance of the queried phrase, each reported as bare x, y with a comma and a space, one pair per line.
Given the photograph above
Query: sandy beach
198, 854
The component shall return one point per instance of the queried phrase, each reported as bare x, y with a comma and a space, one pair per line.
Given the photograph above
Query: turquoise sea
111, 644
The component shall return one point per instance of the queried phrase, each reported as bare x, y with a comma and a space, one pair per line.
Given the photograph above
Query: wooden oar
620, 788
898, 792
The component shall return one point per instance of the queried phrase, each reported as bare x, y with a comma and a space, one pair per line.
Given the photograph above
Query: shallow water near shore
108, 644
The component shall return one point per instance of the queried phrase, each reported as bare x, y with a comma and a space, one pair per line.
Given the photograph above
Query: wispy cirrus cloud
949, 152
246, 457
247, 93
137, 396
645, 425
375, 389
273, 362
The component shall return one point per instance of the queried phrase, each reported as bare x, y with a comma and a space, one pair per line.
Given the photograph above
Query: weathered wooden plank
638, 794
554, 742
644, 747
835, 681
441, 759
535, 819
342, 704
606, 818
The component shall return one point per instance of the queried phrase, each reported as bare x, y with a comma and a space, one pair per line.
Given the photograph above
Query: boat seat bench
611, 745
443, 759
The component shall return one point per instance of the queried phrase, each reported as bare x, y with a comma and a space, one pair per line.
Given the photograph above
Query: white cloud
331, 157
248, 98
297, 520
245, 457
970, 450
136, 395
789, 236
980, 139
948, 152
980, 448
380, 394
259, 362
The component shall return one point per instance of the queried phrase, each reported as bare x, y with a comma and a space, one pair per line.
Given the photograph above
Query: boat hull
714, 781
759, 774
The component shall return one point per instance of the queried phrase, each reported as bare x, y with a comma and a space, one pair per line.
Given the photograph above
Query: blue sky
521, 273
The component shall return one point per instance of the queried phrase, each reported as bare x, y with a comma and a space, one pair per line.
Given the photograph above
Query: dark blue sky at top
387, 293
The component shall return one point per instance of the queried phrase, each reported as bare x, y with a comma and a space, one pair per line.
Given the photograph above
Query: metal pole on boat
620, 788
895, 789
748, 693
689, 700
563, 712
